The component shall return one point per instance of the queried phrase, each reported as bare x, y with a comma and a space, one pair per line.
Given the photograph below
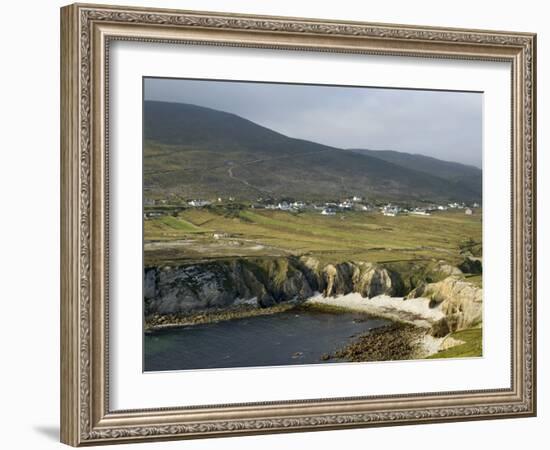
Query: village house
150, 215
284, 206
419, 212
456, 205
328, 212
220, 235
346, 204
198, 203
468, 211
390, 210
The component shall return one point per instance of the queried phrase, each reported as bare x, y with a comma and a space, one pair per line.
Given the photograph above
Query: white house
220, 235
419, 212
468, 211
390, 210
283, 206
153, 214
345, 205
198, 203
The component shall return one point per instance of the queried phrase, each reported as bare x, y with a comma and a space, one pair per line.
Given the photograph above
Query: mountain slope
460, 174
200, 152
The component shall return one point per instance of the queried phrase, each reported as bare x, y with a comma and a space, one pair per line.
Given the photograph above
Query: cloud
443, 124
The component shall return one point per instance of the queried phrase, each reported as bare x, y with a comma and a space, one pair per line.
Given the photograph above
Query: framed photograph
275, 224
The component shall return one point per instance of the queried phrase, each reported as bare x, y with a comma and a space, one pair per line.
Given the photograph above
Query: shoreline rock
393, 342
220, 284
459, 300
160, 322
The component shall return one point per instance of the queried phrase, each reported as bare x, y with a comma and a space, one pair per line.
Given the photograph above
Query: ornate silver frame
86, 31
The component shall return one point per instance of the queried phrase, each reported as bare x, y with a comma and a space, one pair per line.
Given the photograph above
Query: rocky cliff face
460, 301
265, 282
198, 287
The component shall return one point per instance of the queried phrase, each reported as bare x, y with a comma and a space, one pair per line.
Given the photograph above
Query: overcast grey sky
445, 125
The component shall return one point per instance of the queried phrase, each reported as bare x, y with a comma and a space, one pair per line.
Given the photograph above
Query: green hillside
464, 175
197, 152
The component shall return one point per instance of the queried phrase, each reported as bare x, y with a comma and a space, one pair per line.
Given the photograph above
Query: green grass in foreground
472, 346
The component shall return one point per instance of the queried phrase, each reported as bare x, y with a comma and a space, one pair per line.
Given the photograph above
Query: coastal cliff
448, 302
261, 282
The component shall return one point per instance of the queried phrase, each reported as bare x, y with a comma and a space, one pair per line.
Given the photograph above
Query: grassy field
473, 345
407, 243
220, 232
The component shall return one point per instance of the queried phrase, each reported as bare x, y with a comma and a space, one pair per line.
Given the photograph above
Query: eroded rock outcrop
459, 300
446, 269
471, 265
372, 280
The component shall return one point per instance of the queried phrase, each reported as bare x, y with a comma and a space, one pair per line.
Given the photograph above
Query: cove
285, 338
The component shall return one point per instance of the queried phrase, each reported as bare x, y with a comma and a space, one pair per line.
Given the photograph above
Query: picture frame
87, 32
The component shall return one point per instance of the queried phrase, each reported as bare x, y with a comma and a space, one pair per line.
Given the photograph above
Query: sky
442, 124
